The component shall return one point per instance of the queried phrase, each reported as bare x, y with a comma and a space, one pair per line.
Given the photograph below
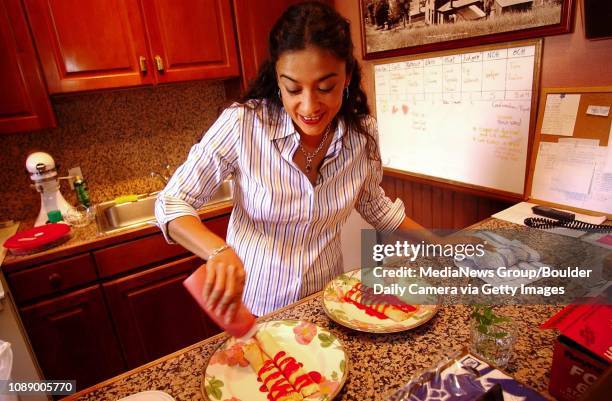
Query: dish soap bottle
243, 326
81, 191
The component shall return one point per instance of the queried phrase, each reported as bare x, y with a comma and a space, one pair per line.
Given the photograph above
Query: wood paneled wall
437, 207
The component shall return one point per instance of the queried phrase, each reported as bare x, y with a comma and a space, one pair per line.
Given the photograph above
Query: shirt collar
285, 127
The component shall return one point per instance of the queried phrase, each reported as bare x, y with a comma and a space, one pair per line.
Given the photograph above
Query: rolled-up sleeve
209, 162
373, 205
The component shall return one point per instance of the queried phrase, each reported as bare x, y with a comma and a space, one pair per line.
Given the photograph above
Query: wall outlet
73, 172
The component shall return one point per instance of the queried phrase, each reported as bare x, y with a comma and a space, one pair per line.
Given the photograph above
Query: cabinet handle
159, 62
143, 64
55, 279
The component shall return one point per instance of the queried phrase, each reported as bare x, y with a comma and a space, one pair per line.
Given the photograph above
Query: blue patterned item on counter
462, 377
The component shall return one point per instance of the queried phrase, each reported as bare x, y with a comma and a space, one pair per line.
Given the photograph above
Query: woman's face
311, 82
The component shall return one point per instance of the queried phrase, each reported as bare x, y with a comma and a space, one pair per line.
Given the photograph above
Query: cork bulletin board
571, 161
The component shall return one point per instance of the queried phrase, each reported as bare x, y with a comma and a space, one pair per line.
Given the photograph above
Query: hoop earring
346, 93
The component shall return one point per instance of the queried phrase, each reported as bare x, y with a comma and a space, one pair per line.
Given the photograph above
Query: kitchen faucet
163, 178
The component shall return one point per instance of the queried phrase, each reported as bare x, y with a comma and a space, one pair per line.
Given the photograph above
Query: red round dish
37, 239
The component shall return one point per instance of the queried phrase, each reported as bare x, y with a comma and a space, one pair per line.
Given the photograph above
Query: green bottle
81, 191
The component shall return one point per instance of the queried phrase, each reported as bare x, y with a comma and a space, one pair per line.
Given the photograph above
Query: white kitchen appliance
41, 167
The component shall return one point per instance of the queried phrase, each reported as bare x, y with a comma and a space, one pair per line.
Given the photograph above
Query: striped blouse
286, 232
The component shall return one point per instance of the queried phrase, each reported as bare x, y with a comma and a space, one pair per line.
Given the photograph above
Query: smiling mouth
312, 119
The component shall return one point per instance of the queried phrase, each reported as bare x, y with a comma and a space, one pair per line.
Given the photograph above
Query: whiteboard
463, 116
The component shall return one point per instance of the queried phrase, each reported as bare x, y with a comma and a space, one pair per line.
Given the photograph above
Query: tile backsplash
117, 138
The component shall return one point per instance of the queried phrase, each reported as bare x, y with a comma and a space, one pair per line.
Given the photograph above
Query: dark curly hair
317, 24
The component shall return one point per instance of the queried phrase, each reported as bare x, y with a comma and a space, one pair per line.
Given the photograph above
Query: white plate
152, 395
348, 315
228, 374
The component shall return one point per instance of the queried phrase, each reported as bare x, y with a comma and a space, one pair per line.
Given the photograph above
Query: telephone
560, 218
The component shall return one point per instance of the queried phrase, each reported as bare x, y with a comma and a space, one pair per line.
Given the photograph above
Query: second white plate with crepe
350, 315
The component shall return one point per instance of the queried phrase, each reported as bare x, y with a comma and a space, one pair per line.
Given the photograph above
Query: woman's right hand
224, 284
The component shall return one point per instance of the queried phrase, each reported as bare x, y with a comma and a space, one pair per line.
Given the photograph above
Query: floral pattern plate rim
348, 315
228, 377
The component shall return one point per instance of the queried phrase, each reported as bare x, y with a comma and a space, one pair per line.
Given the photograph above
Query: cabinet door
253, 23
154, 314
86, 45
73, 337
24, 104
191, 39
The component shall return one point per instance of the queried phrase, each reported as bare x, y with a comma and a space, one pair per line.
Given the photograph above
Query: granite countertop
87, 238
379, 363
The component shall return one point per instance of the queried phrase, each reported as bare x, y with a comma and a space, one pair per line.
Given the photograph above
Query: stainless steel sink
111, 217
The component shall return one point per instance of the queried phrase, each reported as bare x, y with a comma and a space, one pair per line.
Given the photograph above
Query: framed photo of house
392, 28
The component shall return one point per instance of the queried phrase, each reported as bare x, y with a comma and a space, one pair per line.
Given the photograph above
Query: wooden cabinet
73, 337
24, 104
101, 44
191, 39
90, 44
154, 314
92, 316
253, 25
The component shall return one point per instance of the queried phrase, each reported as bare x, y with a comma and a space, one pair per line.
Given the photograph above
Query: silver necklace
310, 156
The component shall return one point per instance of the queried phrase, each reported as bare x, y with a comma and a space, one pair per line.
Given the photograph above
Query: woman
303, 151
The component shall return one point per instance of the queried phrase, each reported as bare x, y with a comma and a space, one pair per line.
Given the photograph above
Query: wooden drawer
52, 277
145, 251
135, 254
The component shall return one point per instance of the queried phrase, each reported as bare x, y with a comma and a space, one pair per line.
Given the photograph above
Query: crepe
287, 364
387, 306
279, 389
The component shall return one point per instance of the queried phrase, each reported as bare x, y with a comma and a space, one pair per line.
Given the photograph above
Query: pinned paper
560, 114
602, 111
608, 162
573, 175
580, 141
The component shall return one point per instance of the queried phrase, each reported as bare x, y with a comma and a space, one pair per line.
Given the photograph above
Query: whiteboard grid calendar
463, 117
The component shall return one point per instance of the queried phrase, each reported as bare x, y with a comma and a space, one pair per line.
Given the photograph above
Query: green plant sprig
486, 319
